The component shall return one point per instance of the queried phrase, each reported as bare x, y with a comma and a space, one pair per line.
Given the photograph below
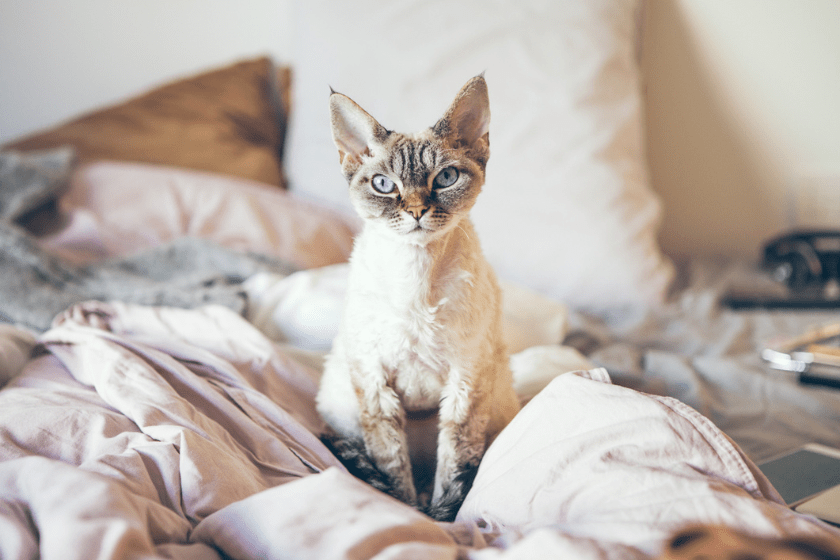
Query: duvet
142, 430
156, 432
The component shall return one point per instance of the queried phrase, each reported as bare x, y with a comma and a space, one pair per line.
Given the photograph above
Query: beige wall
743, 116
62, 57
742, 96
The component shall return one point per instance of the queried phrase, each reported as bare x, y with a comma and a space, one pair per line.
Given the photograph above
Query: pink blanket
165, 433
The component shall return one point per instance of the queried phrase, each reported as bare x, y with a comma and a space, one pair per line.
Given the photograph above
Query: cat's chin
419, 235
422, 236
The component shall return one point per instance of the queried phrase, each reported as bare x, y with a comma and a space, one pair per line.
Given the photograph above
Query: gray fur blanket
35, 286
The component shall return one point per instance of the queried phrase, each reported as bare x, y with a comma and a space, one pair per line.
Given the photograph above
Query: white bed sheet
167, 432
709, 357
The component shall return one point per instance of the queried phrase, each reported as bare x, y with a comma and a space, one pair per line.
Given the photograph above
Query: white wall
743, 96
61, 57
743, 102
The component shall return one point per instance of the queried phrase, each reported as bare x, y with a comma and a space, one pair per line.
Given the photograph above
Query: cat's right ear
354, 131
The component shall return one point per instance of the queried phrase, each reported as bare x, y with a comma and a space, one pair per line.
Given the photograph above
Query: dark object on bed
806, 299
803, 270
804, 258
803, 473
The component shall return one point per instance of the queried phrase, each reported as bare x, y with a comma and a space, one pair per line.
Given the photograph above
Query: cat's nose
417, 211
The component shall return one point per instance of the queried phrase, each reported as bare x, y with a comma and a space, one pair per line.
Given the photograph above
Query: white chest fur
416, 314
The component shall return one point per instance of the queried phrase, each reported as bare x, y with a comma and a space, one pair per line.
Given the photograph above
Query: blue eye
446, 178
383, 184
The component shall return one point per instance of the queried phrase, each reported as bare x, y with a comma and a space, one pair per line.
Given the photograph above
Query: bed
173, 274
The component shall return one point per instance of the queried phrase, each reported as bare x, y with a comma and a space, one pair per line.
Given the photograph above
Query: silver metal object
804, 356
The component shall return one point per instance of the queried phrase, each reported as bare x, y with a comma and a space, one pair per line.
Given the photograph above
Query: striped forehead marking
413, 160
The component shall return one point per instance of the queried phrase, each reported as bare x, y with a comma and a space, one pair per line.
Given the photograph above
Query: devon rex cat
422, 322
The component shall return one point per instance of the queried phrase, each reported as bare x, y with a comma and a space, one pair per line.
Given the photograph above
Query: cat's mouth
422, 230
418, 233
430, 226
418, 230
411, 225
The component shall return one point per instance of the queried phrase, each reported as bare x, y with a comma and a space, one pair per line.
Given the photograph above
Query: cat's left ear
468, 118
354, 131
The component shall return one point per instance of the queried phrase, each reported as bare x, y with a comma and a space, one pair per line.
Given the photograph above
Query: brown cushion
230, 120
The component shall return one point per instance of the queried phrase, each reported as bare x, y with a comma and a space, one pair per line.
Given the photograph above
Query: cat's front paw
353, 455
445, 506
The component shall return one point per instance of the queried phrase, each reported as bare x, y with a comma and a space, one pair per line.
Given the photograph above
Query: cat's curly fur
422, 322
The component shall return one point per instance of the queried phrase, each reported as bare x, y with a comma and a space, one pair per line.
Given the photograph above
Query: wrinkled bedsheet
170, 433
708, 356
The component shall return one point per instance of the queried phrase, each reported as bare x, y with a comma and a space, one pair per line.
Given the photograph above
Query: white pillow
566, 209
304, 309
118, 208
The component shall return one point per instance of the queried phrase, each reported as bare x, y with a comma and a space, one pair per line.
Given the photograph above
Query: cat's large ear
468, 118
354, 131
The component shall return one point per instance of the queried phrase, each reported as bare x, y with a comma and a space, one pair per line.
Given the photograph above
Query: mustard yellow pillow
230, 120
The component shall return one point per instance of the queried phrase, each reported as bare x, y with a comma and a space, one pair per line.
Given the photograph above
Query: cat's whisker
464, 231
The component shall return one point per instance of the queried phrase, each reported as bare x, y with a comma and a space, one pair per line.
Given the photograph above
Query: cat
421, 329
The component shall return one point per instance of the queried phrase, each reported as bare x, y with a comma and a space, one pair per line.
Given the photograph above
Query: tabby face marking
434, 186
436, 175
